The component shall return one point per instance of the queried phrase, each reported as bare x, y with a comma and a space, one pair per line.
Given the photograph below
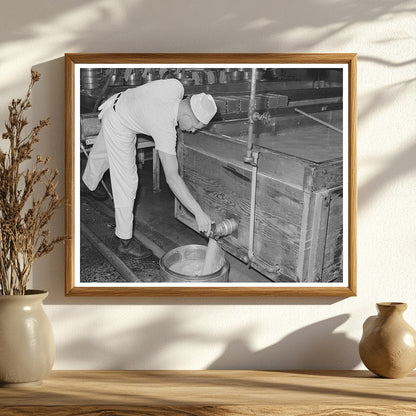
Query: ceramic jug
388, 345
27, 346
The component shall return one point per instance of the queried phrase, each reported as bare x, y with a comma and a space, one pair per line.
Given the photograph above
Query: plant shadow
316, 346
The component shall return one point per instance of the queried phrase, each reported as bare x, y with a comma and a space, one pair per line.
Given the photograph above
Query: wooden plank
177, 410
307, 233
214, 392
318, 237
209, 291
304, 239
230, 148
283, 167
322, 228
333, 257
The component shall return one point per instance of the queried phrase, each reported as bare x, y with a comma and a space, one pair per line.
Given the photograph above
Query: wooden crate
299, 194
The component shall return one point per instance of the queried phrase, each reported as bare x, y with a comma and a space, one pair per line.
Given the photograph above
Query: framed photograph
211, 174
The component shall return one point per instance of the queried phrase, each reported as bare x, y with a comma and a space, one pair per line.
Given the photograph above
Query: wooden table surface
207, 393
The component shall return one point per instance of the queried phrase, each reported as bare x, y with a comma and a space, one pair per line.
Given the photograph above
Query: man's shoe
99, 193
133, 248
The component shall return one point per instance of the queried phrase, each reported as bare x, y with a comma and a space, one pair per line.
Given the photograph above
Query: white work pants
115, 149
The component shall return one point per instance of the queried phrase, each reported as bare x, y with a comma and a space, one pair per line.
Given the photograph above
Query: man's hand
203, 221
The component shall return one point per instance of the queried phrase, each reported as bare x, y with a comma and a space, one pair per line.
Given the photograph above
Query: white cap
204, 107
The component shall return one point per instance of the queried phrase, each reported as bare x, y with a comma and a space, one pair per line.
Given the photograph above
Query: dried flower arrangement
28, 199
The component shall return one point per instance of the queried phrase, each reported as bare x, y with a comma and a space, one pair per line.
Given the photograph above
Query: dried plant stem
23, 217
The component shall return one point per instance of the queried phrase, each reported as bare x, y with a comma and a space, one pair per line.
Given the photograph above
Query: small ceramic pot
27, 347
388, 345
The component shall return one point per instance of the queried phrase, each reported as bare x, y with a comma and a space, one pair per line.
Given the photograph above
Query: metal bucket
190, 253
90, 78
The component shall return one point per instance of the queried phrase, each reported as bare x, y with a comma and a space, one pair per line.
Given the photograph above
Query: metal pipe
318, 120
126, 273
252, 207
248, 158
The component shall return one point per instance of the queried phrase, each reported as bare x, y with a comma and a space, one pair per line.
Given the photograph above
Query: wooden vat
299, 195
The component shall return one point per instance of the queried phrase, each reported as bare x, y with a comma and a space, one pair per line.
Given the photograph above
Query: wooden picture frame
322, 223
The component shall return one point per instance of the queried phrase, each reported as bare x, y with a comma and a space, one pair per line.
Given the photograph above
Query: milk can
223, 228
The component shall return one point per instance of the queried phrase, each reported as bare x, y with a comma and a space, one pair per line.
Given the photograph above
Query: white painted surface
197, 333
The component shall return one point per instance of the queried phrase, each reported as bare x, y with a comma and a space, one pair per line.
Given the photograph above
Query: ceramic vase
27, 347
388, 345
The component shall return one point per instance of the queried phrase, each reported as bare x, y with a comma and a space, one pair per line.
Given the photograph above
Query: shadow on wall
402, 163
48, 101
313, 347
103, 25
142, 18
392, 170
152, 345
142, 347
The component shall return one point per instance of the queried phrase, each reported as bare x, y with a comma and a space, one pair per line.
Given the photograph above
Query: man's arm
181, 191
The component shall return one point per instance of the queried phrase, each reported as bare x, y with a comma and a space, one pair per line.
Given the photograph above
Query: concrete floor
154, 218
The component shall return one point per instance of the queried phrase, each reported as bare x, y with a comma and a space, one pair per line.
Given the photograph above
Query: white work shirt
152, 109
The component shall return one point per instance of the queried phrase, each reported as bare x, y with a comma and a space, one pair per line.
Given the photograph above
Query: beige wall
198, 333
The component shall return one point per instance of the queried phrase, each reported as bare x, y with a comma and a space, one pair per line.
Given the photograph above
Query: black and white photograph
209, 176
